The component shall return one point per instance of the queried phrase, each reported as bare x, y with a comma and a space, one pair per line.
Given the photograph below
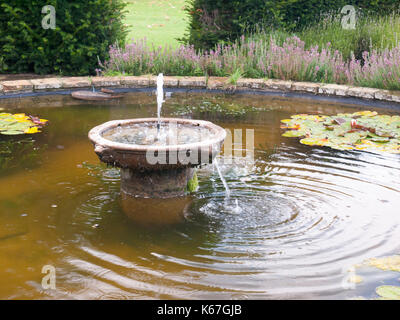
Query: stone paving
15, 87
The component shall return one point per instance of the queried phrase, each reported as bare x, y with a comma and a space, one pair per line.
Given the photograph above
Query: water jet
157, 156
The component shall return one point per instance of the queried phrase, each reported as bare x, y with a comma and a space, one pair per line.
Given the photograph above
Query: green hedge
84, 31
213, 21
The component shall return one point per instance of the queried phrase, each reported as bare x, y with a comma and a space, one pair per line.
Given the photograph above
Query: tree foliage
84, 31
213, 21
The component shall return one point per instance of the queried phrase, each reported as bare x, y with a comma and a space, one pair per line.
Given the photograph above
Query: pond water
297, 217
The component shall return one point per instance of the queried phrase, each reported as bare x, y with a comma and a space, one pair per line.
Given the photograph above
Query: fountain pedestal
155, 211
156, 172
157, 183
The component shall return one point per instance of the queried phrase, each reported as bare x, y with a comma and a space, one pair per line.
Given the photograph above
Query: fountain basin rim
96, 135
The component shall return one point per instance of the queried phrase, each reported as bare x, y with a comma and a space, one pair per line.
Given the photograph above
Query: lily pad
364, 130
11, 132
16, 124
293, 133
391, 263
389, 292
355, 279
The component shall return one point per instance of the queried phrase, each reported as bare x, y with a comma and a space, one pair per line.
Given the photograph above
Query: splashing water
150, 133
160, 98
227, 190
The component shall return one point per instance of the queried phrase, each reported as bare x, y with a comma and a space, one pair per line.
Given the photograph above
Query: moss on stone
193, 184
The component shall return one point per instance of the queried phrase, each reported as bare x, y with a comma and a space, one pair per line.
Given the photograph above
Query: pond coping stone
251, 83
169, 82
311, 87
46, 84
192, 82
76, 82
387, 95
217, 83
106, 81
14, 87
280, 85
333, 89
17, 86
366, 93
135, 81
395, 96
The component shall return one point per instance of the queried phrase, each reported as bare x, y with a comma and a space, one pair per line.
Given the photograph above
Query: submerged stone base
156, 184
159, 197
155, 212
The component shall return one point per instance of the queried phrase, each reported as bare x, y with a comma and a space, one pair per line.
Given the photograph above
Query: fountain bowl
168, 178
135, 156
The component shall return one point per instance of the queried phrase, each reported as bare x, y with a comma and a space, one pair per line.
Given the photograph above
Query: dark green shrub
213, 21
84, 31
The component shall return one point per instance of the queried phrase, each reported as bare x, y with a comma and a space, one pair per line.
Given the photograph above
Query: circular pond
298, 217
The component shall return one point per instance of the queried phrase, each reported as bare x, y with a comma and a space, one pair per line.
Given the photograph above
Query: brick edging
16, 87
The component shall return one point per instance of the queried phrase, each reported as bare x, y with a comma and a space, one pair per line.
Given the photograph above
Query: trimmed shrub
216, 21
84, 32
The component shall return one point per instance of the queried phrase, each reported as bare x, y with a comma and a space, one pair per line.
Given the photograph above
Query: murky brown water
304, 214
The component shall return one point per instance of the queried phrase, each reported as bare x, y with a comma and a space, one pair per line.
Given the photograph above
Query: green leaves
294, 133
389, 292
365, 130
391, 263
84, 31
231, 19
16, 124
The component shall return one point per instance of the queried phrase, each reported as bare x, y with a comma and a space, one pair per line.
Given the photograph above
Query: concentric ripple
292, 226
297, 217
303, 220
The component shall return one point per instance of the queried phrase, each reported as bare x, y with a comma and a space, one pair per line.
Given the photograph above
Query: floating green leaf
364, 130
355, 279
11, 132
16, 124
293, 134
389, 292
391, 263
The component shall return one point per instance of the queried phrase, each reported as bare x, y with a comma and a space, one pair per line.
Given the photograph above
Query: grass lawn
160, 21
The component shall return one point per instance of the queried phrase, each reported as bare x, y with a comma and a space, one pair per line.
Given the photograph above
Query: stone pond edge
16, 87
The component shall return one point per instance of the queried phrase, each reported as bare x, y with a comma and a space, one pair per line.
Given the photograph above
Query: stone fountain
157, 157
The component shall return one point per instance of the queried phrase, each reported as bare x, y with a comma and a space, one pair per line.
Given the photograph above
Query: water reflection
298, 217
